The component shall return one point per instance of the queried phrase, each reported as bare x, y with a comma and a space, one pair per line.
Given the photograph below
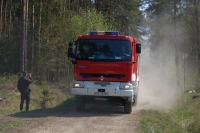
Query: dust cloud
158, 83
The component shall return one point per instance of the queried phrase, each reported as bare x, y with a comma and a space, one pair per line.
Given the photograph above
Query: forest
34, 34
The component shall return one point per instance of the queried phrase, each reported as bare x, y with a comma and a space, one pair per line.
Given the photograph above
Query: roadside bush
45, 94
8, 82
8, 93
194, 127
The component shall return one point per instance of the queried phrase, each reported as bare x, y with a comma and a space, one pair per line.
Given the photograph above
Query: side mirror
70, 53
70, 50
138, 48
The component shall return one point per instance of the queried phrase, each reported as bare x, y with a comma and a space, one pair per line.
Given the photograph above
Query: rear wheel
80, 103
128, 106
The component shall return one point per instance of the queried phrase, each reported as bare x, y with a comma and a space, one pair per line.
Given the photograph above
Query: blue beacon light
104, 33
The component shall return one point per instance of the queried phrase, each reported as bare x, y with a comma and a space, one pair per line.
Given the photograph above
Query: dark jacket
23, 84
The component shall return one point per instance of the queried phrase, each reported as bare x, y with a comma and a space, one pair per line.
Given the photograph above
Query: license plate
101, 93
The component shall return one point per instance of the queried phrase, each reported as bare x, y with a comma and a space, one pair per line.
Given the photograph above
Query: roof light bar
104, 33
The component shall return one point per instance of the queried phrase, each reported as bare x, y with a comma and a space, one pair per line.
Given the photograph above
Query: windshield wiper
103, 60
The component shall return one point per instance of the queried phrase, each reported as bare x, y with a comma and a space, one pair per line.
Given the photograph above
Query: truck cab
106, 66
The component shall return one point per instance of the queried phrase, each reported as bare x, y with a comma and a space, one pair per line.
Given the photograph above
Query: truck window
102, 50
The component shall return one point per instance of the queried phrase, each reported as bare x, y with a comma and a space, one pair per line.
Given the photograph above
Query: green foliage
10, 77
84, 23
124, 15
64, 28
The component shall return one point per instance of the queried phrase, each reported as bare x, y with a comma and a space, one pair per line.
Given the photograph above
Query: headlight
78, 85
133, 77
126, 86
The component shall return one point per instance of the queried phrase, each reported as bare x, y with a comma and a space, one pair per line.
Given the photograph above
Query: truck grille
87, 75
102, 83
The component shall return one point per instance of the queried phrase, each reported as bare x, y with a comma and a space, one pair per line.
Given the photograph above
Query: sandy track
97, 118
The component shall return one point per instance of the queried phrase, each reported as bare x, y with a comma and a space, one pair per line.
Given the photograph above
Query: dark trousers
25, 97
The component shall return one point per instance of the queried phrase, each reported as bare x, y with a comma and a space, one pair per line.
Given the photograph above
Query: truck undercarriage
127, 102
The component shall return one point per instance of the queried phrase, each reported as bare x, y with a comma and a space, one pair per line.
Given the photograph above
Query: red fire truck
106, 66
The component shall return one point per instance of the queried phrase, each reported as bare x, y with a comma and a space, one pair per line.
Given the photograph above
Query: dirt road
100, 118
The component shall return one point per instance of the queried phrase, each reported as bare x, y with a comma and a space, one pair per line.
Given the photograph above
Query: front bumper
111, 89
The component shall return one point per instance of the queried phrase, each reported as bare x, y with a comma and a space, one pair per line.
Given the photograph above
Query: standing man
23, 87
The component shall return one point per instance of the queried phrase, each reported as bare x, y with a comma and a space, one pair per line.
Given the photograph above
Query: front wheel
128, 106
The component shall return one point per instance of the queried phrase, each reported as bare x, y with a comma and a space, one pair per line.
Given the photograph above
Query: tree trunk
5, 19
33, 36
176, 51
1, 16
23, 37
86, 7
98, 5
80, 3
39, 30
10, 22
196, 13
197, 37
26, 45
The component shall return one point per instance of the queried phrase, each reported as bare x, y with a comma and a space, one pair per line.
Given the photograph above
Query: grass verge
56, 98
184, 118
7, 125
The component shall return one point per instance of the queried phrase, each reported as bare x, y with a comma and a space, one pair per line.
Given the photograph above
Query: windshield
105, 50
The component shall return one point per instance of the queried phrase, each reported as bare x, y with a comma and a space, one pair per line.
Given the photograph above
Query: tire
80, 103
135, 99
128, 106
